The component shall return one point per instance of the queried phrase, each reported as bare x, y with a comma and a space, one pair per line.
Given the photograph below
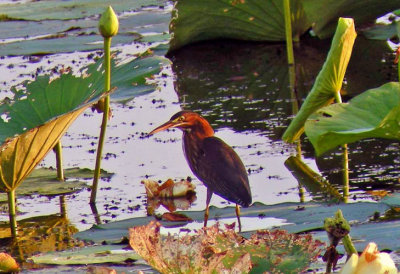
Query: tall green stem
345, 161
345, 173
348, 245
12, 212
60, 171
288, 32
107, 86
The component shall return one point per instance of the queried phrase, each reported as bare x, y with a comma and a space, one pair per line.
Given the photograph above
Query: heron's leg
238, 217
209, 194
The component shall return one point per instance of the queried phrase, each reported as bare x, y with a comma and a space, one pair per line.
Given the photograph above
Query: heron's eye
181, 119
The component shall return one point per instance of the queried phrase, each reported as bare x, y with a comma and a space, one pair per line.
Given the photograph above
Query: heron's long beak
169, 124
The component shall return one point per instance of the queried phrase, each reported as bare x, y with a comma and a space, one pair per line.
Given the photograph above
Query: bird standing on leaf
212, 161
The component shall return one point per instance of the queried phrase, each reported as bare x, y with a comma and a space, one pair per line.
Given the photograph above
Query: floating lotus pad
81, 34
74, 9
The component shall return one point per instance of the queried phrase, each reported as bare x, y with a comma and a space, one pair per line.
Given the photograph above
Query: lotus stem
12, 212
345, 173
60, 170
288, 32
292, 71
106, 111
345, 161
348, 245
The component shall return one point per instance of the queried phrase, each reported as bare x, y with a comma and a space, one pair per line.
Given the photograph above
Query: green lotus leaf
130, 79
372, 114
256, 20
329, 80
363, 13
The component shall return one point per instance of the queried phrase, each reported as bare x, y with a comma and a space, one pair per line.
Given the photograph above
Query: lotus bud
371, 261
108, 23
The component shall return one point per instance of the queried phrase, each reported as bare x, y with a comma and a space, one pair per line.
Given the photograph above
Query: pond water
242, 89
249, 106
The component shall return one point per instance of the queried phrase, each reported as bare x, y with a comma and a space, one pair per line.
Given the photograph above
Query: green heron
212, 161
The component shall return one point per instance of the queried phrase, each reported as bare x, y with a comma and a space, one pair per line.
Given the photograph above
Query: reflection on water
38, 235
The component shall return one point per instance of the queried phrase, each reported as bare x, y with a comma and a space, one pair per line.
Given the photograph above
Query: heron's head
187, 121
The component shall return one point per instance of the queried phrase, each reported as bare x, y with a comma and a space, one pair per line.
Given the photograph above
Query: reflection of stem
63, 208
17, 249
12, 212
312, 181
95, 213
107, 86
301, 193
60, 171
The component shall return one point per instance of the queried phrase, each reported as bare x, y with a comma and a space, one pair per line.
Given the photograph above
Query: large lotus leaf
20, 155
31, 124
73, 9
372, 114
256, 20
329, 80
324, 14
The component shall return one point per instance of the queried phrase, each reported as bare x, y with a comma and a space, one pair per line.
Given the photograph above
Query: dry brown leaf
213, 249
378, 193
168, 189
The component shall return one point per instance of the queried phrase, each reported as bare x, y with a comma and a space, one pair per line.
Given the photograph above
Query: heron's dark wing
222, 171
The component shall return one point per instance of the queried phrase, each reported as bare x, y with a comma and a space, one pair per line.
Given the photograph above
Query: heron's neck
200, 130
